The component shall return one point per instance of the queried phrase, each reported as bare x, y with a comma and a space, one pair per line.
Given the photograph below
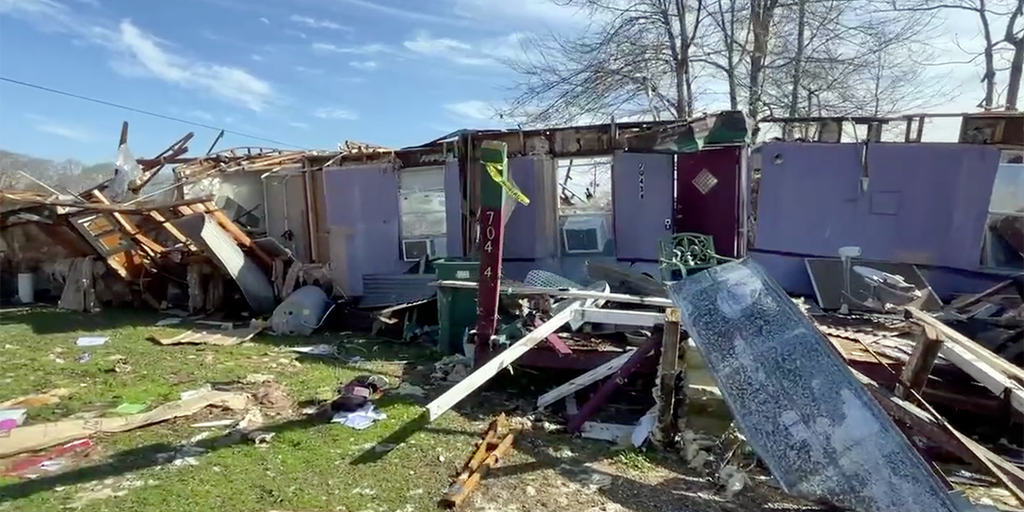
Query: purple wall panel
453, 208
363, 202
640, 219
521, 229
925, 203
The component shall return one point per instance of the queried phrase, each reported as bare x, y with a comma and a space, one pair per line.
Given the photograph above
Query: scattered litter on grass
108, 488
257, 378
10, 418
50, 397
213, 424
409, 390
130, 408
314, 350
83, 358
91, 341
168, 321
30, 466
260, 438
451, 368
192, 393
253, 419
360, 419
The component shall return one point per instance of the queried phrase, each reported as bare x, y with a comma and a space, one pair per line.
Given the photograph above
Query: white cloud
367, 65
49, 126
473, 110
199, 114
520, 12
482, 53
335, 113
265, 21
363, 49
401, 12
296, 124
315, 23
311, 71
256, 58
142, 54
297, 33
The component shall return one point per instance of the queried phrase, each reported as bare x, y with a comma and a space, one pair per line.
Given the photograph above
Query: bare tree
633, 60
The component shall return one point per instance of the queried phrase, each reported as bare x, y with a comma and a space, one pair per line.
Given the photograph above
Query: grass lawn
397, 465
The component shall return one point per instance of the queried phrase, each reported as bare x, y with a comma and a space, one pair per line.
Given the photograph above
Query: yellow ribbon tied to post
510, 188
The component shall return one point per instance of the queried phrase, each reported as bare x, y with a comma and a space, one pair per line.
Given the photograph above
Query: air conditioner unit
584, 234
415, 248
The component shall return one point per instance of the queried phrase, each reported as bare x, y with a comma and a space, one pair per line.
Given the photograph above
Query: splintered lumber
482, 451
919, 366
668, 372
463, 491
995, 373
584, 380
970, 300
499, 362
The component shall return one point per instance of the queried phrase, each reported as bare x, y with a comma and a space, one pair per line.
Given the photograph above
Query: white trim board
584, 380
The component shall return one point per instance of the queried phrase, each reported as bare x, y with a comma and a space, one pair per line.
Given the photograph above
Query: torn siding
819, 431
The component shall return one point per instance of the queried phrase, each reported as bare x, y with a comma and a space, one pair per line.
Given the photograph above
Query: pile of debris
169, 248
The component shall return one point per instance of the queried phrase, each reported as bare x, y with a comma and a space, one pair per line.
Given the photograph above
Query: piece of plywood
222, 338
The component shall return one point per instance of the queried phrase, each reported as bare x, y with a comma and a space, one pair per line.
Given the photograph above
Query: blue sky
306, 72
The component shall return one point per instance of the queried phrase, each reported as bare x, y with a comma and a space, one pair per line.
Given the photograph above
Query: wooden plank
601, 395
130, 227
499, 362
575, 294
970, 300
667, 373
239, 235
584, 380
173, 230
978, 351
919, 367
620, 317
556, 343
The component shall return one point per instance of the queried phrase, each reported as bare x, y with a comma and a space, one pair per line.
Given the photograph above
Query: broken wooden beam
970, 300
574, 385
556, 343
460, 495
616, 380
671, 348
919, 367
499, 362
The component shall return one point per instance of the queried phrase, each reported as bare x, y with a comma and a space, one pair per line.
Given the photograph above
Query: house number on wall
640, 179
489, 234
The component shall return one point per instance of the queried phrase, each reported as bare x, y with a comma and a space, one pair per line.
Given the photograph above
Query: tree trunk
1016, 67
798, 60
761, 12
989, 79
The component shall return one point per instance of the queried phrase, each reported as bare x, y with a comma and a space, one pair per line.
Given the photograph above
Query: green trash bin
456, 307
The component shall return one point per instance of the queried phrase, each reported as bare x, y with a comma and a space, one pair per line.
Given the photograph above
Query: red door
712, 197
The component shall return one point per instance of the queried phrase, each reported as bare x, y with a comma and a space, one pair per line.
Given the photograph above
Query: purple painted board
362, 204
521, 229
924, 203
453, 209
642, 200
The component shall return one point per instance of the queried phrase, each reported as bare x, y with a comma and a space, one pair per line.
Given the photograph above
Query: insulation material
79, 291
817, 428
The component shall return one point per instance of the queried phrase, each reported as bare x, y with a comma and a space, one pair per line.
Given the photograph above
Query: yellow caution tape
495, 171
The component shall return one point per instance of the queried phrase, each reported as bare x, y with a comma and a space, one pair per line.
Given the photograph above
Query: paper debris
314, 350
43, 435
360, 419
10, 418
192, 393
91, 341
213, 424
168, 321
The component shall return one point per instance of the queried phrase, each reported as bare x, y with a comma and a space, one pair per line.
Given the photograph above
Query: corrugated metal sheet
382, 290
819, 431
218, 245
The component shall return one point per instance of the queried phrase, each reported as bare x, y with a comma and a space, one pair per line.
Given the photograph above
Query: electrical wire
146, 112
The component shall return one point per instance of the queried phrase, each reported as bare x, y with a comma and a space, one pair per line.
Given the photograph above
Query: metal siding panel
714, 210
217, 243
382, 290
924, 203
794, 399
640, 222
521, 228
362, 210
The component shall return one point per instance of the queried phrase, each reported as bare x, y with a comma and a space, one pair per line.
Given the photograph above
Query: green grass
309, 465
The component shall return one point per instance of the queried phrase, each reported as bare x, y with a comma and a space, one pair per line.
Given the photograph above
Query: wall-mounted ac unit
415, 248
584, 234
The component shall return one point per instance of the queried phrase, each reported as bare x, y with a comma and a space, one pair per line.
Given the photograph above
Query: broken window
584, 185
421, 202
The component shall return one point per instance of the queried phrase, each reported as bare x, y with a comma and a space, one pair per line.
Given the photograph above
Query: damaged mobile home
856, 307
